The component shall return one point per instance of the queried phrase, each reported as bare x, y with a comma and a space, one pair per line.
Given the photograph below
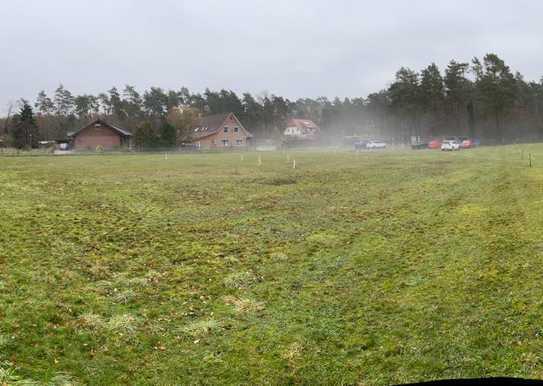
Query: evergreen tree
83, 106
25, 131
167, 134
144, 136
432, 89
174, 99
155, 102
458, 101
132, 103
405, 99
252, 111
105, 103
64, 101
44, 104
116, 104
495, 86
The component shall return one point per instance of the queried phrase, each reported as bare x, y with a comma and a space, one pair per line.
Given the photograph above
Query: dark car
361, 145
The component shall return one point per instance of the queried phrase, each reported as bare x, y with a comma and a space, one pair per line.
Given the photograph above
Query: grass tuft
239, 280
244, 305
202, 328
122, 324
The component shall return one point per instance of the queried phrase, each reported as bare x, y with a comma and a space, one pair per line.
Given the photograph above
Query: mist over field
287, 193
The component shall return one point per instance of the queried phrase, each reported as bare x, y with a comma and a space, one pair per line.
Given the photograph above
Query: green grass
373, 268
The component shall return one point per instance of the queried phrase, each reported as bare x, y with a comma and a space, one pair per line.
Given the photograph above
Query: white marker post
166, 156
294, 164
242, 157
259, 160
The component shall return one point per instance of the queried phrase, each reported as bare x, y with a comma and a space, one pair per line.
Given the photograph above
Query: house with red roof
304, 129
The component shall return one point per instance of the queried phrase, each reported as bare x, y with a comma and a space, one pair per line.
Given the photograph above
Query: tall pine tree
25, 131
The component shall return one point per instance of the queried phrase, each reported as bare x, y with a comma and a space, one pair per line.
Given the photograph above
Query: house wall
300, 132
92, 137
216, 140
293, 130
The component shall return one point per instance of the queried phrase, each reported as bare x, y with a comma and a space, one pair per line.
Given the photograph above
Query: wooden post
530, 156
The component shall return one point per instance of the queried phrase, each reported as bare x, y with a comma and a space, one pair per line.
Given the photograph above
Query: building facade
100, 135
220, 131
301, 129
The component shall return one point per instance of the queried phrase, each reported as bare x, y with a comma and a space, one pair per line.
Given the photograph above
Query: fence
12, 152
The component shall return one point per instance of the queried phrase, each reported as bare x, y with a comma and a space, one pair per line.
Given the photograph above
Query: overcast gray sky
294, 48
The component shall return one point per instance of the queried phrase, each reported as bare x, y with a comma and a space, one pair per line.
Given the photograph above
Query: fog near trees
483, 98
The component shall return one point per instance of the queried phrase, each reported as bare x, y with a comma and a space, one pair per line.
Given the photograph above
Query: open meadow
371, 268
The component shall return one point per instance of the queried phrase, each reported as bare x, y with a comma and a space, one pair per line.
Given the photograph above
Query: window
225, 142
226, 129
236, 129
239, 141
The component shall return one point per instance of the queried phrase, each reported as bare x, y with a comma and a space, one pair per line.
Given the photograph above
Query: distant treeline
483, 99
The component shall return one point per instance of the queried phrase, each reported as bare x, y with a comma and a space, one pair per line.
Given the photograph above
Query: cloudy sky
294, 48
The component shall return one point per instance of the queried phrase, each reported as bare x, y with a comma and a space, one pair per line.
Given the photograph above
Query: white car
450, 146
376, 145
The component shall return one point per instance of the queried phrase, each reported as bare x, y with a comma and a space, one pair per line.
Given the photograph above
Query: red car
467, 143
435, 144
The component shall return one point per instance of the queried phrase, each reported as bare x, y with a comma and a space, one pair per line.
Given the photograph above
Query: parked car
351, 140
467, 143
375, 144
419, 146
435, 144
361, 145
450, 145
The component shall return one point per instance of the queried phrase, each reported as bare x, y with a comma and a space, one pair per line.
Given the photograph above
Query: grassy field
372, 269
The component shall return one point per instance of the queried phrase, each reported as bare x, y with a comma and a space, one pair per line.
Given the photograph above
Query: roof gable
211, 124
235, 118
302, 124
102, 123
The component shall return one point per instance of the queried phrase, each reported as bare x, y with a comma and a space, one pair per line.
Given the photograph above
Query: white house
301, 129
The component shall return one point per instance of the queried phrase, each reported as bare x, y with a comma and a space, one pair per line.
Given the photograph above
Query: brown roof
211, 124
119, 130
